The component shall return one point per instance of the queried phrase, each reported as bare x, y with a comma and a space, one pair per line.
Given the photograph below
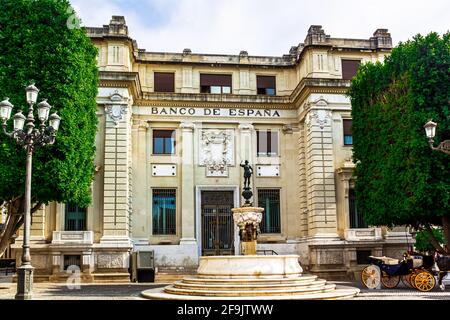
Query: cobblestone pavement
60, 291
401, 292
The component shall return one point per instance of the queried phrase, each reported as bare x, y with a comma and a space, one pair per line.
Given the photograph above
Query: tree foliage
399, 179
37, 44
423, 243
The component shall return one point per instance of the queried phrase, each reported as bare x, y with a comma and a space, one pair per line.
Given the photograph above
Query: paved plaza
131, 291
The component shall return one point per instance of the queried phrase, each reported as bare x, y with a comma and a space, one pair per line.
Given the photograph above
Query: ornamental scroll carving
216, 151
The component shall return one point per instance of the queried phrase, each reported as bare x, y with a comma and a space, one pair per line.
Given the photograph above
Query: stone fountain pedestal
248, 220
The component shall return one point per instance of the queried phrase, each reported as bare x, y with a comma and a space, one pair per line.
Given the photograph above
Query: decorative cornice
121, 79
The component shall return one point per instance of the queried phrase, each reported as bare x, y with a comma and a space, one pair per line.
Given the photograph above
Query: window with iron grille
348, 135
72, 260
164, 82
215, 83
267, 143
75, 219
266, 85
356, 217
163, 141
350, 68
269, 199
164, 210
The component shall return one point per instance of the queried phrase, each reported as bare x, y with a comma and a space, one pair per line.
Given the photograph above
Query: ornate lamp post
29, 138
430, 130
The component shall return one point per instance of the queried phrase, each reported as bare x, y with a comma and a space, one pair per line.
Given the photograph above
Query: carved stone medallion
216, 151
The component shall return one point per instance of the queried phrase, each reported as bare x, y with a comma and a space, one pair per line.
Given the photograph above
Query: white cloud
264, 27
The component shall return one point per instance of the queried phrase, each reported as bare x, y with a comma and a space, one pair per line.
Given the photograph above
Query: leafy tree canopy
38, 42
399, 179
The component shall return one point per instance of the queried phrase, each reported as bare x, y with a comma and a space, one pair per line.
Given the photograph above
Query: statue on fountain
247, 193
247, 217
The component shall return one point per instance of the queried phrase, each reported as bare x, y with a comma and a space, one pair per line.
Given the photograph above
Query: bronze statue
248, 171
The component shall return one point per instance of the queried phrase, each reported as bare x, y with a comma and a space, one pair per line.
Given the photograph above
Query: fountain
250, 276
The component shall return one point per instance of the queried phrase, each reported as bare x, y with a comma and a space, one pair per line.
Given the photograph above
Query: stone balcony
73, 237
363, 234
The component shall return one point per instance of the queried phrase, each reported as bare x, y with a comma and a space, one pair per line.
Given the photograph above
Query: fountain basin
282, 266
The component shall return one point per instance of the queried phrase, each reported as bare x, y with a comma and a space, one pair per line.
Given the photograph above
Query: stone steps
320, 284
252, 278
252, 281
249, 293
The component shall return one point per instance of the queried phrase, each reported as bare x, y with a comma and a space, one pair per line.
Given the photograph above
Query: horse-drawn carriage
414, 270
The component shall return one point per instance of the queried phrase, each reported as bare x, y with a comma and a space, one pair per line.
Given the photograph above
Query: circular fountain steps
250, 277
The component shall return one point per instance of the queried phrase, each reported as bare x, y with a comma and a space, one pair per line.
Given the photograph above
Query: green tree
399, 179
423, 243
38, 41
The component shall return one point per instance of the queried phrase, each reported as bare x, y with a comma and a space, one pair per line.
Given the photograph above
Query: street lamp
430, 130
29, 138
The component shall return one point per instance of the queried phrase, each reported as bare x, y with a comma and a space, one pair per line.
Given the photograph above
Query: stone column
116, 216
187, 185
320, 175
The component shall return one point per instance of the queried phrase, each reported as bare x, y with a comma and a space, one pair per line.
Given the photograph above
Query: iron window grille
164, 210
269, 199
164, 142
356, 217
72, 260
75, 219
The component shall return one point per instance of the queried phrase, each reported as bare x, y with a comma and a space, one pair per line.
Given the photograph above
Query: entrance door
217, 223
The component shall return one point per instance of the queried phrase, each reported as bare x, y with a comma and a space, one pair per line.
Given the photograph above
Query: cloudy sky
261, 27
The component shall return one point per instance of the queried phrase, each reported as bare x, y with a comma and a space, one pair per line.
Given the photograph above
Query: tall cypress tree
399, 179
39, 41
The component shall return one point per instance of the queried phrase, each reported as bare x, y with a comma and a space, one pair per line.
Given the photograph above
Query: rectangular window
215, 83
164, 82
164, 211
163, 141
75, 218
72, 261
267, 143
266, 85
269, 199
348, 136
362, 256
350, 68
356, 217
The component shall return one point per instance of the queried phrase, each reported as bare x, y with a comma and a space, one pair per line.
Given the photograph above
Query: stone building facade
173, 131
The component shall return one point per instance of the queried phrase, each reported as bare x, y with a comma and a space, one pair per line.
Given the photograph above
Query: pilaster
246, 152
187, 185
321, 200
141, 207
116, 214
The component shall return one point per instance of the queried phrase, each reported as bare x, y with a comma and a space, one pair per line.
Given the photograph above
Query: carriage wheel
406, 279
424, 281
412, 279
370, 276
390, 282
